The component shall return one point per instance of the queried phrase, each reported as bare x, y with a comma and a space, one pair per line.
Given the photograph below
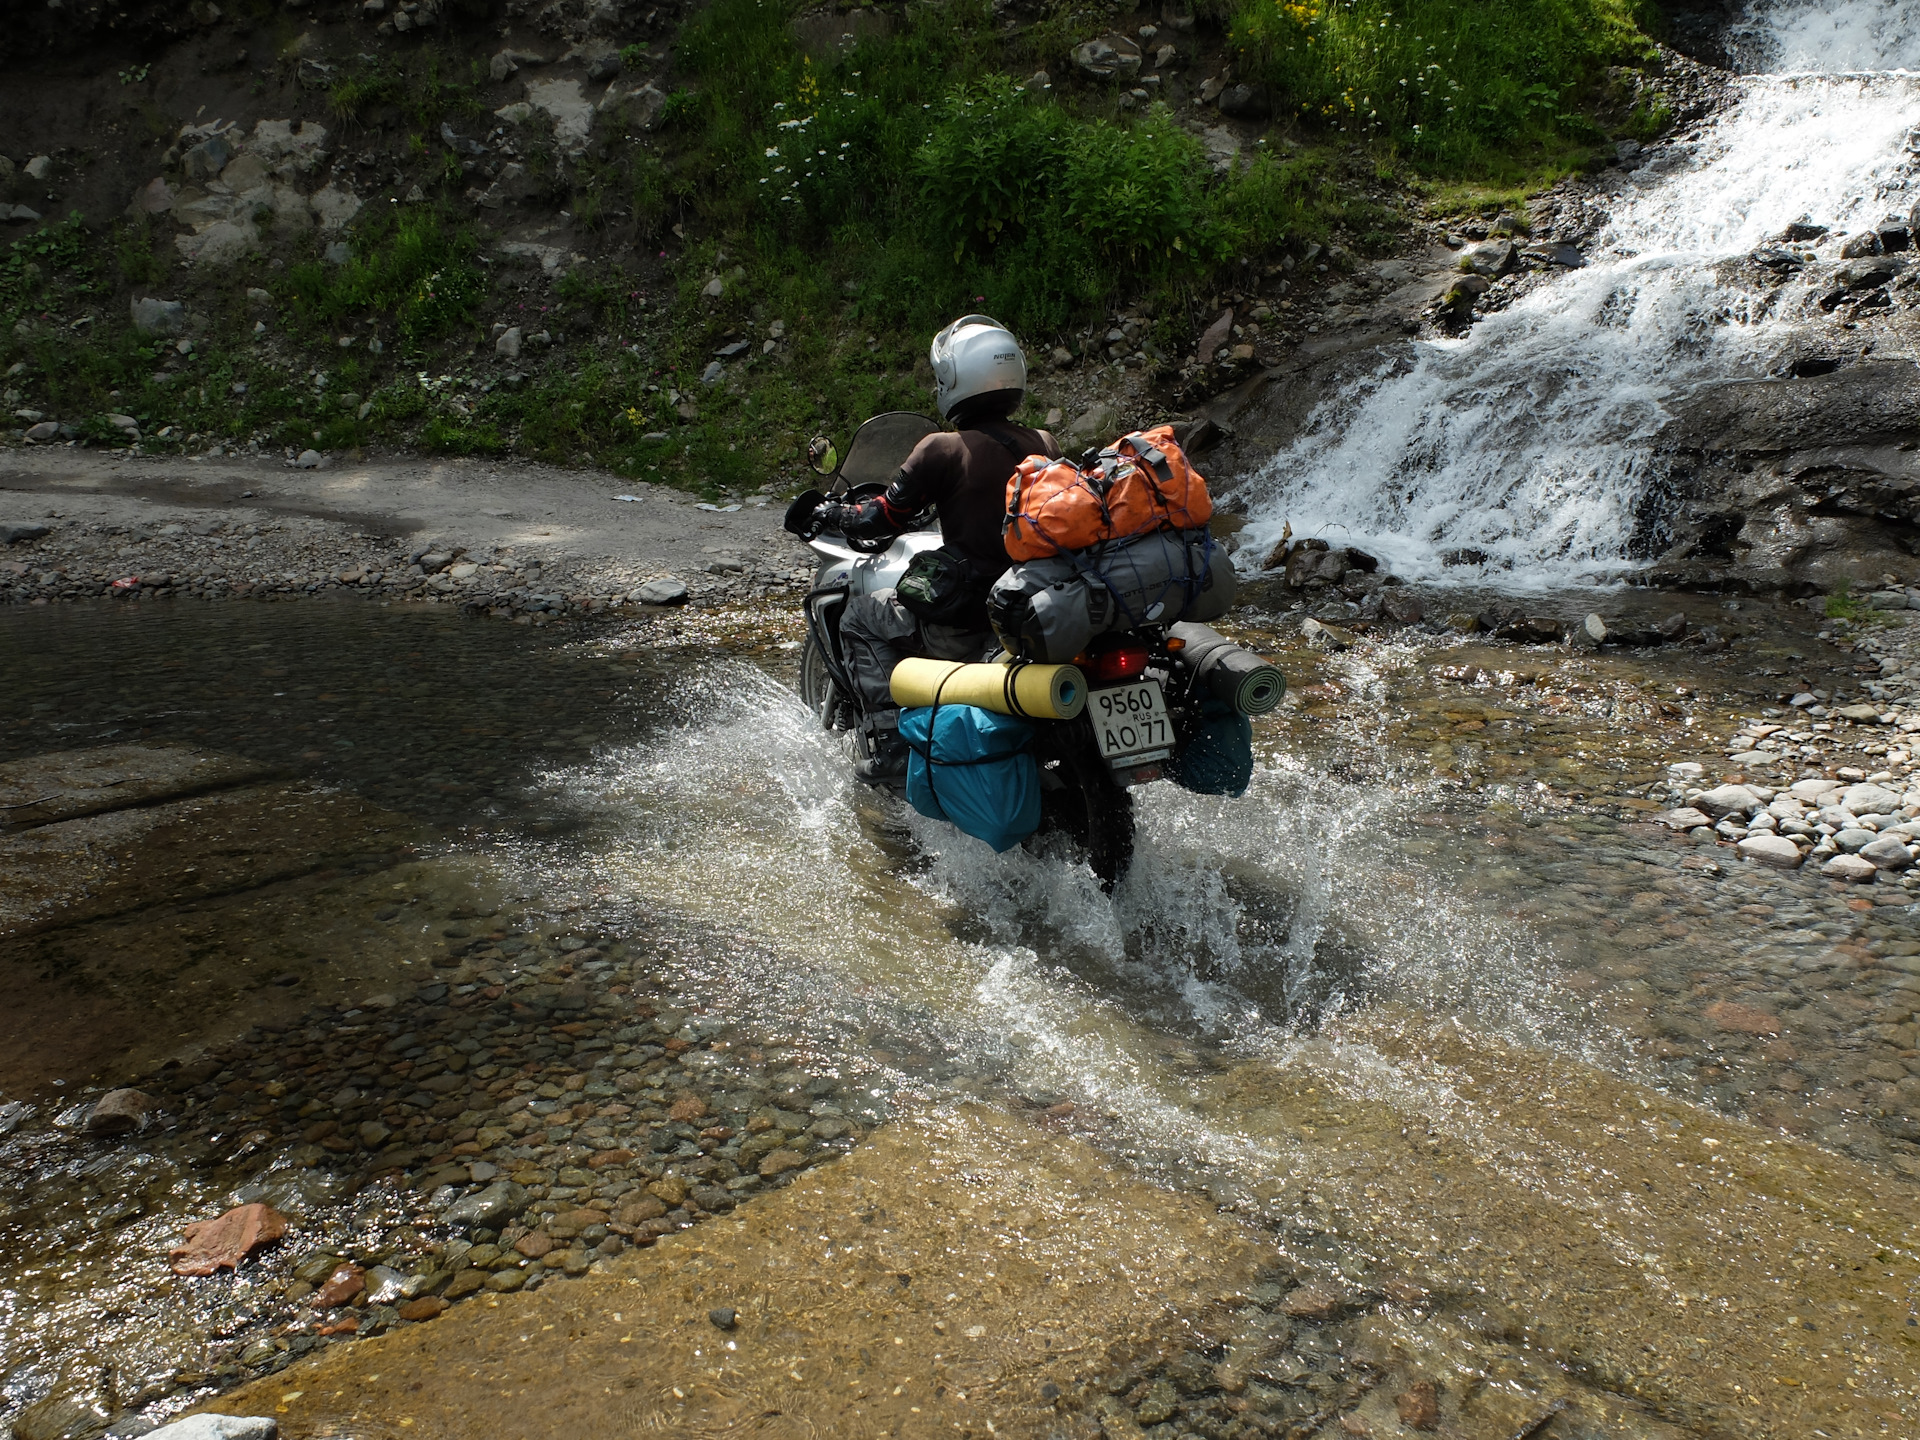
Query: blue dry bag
1218, 759
974, 769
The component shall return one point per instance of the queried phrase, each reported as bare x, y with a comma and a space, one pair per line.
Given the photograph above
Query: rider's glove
831, 517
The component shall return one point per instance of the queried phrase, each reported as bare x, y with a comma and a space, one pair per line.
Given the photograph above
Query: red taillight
1122, 662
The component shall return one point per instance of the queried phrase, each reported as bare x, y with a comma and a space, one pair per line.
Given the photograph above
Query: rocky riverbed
621, 984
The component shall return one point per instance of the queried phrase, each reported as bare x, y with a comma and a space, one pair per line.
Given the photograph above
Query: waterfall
1529, 440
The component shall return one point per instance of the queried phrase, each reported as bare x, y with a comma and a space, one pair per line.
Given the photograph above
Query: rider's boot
880, 755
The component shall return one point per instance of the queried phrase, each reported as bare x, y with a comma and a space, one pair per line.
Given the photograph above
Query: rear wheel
1081, 802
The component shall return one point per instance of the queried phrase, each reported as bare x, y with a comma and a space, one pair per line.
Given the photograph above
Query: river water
1530, 439
1415, 1019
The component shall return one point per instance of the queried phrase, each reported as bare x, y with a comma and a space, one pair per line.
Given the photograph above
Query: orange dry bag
1140, 483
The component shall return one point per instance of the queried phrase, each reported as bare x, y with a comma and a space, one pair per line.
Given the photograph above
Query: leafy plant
1482, 87
416, 267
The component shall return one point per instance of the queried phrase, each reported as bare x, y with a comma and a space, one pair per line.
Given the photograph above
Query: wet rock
121, 1112
1685, 818
1419, 1405
722, 1317
1742, 1019
346, 1282
226, 1240
1775, 850
1853, 839
1851, 868
159, 317
1157, 1405
1887, 853
489, 1208
1314, 1302
425, 1308
1725, 800
1307, 566
1402, 607
219, 1427
1326, 637
59, 1417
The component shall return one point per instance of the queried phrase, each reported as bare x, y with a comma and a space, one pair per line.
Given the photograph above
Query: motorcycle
1144, 699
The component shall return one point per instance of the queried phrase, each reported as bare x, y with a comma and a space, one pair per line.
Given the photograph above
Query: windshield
880, 445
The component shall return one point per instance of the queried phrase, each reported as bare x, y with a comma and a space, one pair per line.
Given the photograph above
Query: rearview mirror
822, 458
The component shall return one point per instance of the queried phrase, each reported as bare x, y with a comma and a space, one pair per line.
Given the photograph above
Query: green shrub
1485, 86
414, 267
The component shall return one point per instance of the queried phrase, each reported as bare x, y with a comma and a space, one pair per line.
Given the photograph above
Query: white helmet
976, 355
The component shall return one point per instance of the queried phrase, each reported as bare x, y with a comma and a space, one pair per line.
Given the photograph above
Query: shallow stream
1404, 1007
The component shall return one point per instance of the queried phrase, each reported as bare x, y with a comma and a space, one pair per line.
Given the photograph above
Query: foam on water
1530, 440
1243, 926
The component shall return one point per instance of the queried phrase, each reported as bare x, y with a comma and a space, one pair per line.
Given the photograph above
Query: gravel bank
526, 541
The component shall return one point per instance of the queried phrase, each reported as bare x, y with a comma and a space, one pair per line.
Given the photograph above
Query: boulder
288, 147
1867, 242
1493, 259
1813, 790
563, 102
508, 344
153, 198
1850, 868
664, 591
121, 1112
1888, 852
1726, 800
41, 433
1326, 637
1687, 817
159, 317
1214, 336
219, 1427
1869, 274
1108, 56
1245, 102
1770, 849
1402, 607
488, 1208
333, 206
1869, 799
206, 160
1315, 567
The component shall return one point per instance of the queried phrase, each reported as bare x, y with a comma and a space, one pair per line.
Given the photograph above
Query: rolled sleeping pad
1037, 692
1230, 674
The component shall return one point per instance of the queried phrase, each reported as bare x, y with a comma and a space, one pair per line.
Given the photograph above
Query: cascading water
1529, 441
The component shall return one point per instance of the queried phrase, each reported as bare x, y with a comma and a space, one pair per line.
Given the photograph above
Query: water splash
1526, 447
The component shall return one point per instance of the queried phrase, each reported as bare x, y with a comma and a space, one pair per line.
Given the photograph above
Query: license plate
1131, 723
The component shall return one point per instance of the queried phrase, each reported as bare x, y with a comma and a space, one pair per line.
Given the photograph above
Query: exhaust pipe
1230, 674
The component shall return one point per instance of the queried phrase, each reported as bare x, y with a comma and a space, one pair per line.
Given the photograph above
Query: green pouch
942, 587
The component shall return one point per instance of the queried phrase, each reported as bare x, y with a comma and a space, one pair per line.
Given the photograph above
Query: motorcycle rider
980, 378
